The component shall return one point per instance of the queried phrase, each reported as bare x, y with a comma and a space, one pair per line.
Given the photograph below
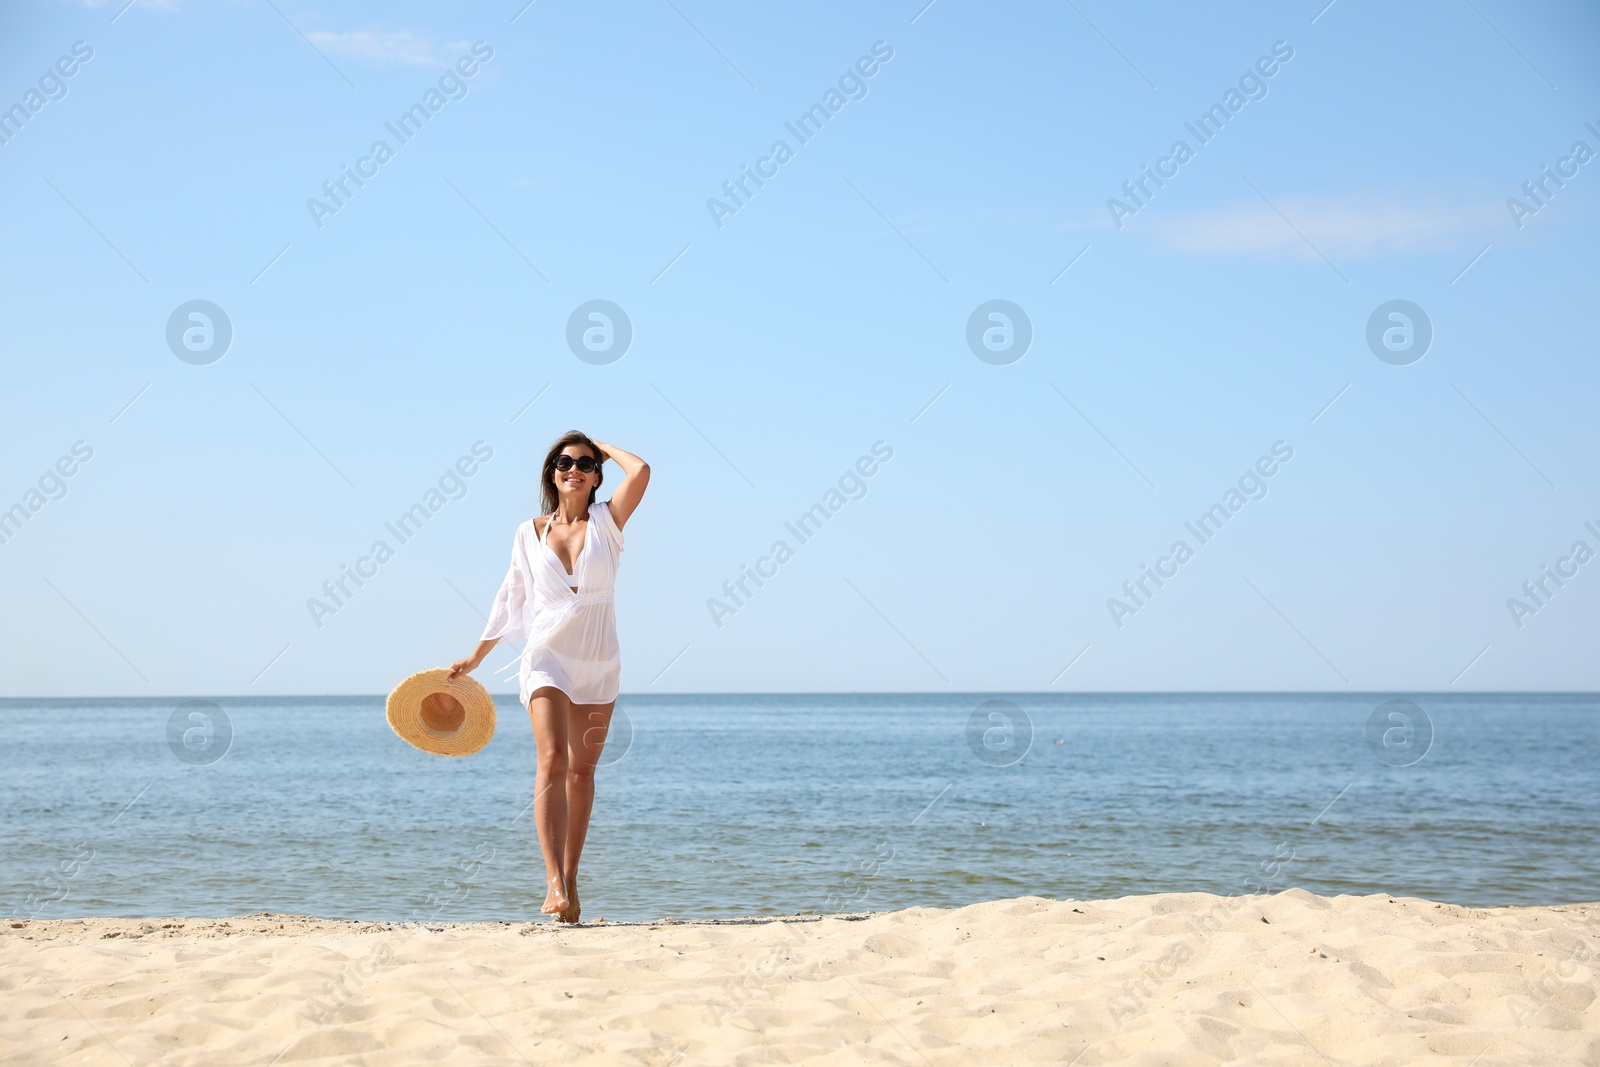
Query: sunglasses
586, 464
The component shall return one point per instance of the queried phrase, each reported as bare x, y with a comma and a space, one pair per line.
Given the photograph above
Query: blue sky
373, 346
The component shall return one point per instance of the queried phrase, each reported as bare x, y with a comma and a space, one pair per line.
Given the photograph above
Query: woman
557, 595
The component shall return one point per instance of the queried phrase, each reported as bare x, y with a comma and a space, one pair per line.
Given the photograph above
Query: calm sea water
752, 805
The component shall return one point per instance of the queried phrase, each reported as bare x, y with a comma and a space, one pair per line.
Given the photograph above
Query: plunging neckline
576, 560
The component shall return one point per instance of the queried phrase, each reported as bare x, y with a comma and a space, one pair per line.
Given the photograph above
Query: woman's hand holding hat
441, 714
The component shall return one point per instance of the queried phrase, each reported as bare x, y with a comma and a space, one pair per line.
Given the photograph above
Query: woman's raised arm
636, 475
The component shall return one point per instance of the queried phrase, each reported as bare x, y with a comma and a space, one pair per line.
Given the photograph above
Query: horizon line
875, 692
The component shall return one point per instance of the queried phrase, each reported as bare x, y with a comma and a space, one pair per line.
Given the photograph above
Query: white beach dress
572, 637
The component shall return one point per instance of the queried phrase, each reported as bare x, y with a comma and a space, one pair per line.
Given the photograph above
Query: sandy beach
1175, 978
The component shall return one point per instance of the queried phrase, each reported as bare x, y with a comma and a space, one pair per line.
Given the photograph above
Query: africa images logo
852, 85
199, 332
451, 85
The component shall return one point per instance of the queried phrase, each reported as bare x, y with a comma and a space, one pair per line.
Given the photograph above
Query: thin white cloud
1343, 226
157, 5
386, 48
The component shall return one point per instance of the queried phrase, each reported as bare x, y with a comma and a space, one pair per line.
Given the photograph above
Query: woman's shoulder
600, 511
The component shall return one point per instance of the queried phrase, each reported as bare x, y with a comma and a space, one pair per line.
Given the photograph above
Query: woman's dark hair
547, 490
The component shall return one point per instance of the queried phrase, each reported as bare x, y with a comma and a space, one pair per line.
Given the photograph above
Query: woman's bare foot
570, 915
557, 902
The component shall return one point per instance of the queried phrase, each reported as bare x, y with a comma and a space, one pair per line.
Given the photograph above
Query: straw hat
447, 718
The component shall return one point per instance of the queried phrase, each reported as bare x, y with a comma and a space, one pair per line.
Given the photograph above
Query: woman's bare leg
586, 737
551, 713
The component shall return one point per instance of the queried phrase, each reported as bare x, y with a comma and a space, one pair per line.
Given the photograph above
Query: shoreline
284, 924
1167, 977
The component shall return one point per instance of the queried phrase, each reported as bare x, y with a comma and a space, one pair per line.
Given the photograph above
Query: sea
718, 806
